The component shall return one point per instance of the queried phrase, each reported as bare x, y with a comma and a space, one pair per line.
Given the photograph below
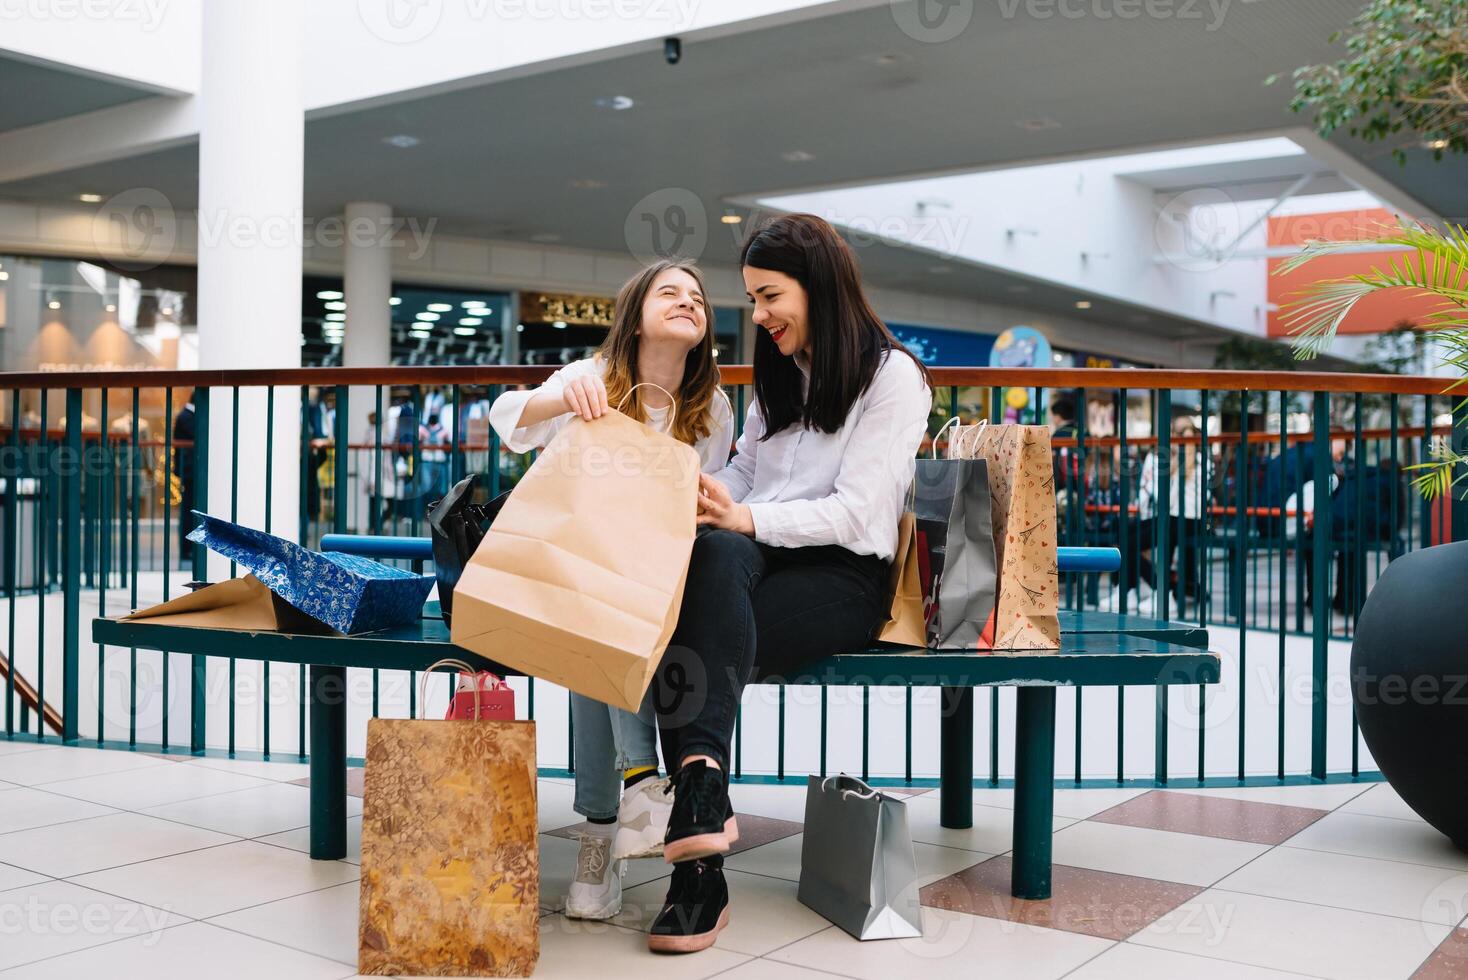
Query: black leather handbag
457, 525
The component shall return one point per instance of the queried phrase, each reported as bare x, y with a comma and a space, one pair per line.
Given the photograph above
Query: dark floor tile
1449, 961
355, 775
1212, 816
1092, 903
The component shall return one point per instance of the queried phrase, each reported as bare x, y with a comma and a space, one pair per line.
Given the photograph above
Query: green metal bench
1100, 649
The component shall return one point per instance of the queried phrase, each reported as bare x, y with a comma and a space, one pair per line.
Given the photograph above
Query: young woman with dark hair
796, 535
661, 335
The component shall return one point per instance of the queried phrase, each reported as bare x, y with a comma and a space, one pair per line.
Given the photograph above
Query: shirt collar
802, 361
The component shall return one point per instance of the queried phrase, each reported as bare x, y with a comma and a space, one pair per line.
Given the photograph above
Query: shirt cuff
765, 518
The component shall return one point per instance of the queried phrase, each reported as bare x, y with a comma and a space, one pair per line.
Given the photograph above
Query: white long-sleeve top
504, 415
848, 487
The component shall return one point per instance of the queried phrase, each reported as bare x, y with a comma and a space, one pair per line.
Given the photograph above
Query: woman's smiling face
780, 308
674, 309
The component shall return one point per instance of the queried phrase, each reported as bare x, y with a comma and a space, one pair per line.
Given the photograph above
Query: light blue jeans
608, 742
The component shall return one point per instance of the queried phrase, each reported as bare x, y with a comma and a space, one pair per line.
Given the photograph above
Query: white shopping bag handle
649, 384
956, 419
448, 662
868, 795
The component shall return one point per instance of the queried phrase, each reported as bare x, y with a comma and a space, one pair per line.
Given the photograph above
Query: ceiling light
1037, 125
427, 317
440, 307
559, 324
519, 328
394, 300
111, 307
464, 331
469, 304
420, 334
588, 184
336, 305
89, 198
329, 294
166, 311
470, 321
1441, 143
336, 317
615, 102
1083, 304
797, 156
731, 219
4, 276
55, 304
401, 140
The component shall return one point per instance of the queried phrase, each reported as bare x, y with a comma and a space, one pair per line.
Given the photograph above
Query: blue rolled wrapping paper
349, 593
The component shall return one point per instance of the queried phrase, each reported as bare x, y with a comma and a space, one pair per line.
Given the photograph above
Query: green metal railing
95, 502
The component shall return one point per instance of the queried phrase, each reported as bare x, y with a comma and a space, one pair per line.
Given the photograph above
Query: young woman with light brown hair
660, 336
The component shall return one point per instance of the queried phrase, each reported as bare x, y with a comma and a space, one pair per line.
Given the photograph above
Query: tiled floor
121, 865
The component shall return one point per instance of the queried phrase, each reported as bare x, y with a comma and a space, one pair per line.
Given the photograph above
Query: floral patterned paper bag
1022, 481
450, 858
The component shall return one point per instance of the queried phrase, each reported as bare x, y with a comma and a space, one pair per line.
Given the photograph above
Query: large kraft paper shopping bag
579, 579
450, 849
1022, 502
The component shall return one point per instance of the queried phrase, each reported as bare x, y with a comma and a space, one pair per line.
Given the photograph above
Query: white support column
367, 340
251, 164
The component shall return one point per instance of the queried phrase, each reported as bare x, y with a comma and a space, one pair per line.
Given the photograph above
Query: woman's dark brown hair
700, 385
847, 339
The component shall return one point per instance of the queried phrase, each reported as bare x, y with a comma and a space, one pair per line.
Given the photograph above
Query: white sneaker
642, 819
596, 891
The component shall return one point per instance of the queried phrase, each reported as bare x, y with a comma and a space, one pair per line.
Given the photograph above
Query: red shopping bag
495, 700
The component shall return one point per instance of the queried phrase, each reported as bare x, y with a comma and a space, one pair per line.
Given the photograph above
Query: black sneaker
696, 910
701, 820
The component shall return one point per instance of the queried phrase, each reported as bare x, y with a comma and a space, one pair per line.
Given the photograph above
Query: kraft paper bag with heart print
1022, 501
579, 579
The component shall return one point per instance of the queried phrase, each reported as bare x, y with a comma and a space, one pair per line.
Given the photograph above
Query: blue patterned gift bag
349, 593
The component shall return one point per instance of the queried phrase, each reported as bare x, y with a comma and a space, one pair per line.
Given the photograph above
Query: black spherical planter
1409, 679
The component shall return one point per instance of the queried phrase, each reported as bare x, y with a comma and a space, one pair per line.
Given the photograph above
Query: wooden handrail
31, 697
1139, 379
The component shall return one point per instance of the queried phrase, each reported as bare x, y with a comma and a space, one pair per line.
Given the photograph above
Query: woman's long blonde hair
700, 387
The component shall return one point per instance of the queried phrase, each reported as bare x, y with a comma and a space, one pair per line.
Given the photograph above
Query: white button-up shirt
504, 415
848, 487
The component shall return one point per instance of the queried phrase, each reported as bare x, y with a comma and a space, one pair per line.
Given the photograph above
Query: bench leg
328, 763
1034, 791
956, 758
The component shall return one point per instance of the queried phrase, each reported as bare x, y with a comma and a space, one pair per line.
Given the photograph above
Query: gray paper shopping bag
856, 863
955, 545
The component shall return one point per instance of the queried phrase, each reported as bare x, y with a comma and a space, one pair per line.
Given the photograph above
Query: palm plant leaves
1436, 263
1433, 262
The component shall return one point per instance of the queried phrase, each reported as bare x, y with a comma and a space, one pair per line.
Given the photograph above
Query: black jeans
1183, 534
750, 610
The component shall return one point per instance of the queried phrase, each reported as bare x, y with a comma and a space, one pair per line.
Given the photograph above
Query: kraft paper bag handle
870, 793
649, 384
447, 662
